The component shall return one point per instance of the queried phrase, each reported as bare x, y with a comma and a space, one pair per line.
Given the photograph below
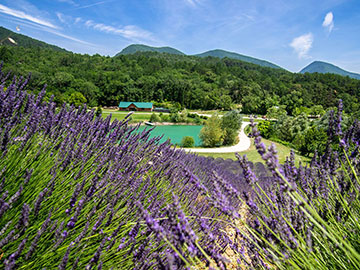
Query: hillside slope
323, 67
144, 48
232, 55
24, 41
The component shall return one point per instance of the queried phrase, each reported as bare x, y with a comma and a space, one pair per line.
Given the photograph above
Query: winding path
244, 144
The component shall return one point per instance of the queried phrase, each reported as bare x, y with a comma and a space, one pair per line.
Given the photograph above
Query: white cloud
24, 16
94, 4
131, 32
78, 19
193, 2
60, 17
69, 2
302, 45
328, 22
70, 38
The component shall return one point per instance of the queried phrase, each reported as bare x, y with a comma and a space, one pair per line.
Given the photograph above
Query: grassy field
136, 117
253, 155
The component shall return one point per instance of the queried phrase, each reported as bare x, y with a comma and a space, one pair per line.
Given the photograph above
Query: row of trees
178, 117
192, 82
304, 134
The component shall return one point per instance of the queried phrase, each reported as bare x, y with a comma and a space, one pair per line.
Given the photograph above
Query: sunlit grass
134, 117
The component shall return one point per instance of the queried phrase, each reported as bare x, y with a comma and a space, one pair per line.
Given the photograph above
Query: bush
175, 117
230, 137
266, 129
187, 141
231, 124
98, 111
154, 118
212, 134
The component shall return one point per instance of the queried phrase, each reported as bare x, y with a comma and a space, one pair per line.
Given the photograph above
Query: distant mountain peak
134, 48
222, 54
324, 67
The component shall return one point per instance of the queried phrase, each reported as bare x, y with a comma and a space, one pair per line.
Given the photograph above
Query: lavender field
82, 192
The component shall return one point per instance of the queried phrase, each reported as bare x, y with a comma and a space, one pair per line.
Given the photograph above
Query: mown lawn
136, 116
253, 155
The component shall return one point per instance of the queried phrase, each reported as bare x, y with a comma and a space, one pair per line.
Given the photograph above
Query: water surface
175, 133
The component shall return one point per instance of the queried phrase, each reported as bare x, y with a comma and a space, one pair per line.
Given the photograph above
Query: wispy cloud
94, 4
66, 19
78, 19
328, 22
131, 32
71, 38
46, 28
22, 15
60, 17
71, 2
302, 45
193, 3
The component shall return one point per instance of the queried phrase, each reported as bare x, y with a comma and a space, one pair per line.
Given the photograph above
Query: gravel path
244, 144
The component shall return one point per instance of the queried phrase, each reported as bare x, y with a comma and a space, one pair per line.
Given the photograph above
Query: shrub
212, 134
231, 124
154, 118
266, 128
165, 118
175, 117
187, 141
98, 111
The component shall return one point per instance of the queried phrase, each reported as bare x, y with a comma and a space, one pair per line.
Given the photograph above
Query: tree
187, 141
63, 79
225, 102
212, 134
155, 118
231, 123
98, 111
315, 139
266, 129
317, 110
276, 112
76, 98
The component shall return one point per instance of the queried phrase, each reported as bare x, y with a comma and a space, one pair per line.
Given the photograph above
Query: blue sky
291, 33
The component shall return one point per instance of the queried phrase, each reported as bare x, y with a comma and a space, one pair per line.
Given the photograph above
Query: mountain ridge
223, 53
324, 67
24, 41
134, 48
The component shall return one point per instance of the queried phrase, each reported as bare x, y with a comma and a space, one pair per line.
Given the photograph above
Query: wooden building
135, 106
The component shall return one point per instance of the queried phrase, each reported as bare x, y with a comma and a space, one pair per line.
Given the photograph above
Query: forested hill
24, 41
193, 82
323, 67
134, 48
232, 55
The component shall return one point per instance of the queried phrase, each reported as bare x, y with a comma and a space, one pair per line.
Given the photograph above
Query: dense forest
193, 82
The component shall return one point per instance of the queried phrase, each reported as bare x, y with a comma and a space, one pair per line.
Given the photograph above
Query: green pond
175, 133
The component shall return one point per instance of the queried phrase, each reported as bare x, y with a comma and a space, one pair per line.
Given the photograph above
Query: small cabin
160, 109
135, 106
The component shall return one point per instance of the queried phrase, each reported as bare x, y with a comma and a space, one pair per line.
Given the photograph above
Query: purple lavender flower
24, 217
